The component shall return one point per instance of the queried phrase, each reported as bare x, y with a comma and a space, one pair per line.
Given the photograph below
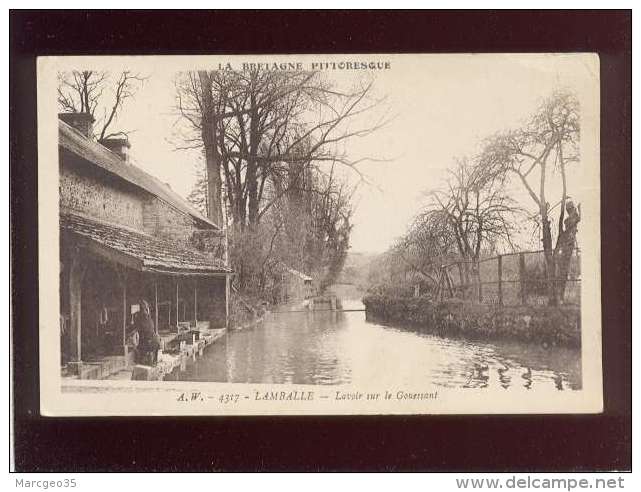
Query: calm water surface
344, 348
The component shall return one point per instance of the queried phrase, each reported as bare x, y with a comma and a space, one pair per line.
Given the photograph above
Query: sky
442, 106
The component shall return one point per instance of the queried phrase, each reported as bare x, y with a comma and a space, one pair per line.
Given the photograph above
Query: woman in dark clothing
148, 339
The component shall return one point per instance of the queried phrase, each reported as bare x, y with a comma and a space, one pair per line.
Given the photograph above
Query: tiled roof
146, 253
74, 141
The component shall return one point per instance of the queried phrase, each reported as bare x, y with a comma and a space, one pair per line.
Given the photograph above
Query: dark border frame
364, 443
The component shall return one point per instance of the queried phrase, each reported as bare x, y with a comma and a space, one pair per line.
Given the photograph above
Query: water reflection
527, 376
344, 348
504, 376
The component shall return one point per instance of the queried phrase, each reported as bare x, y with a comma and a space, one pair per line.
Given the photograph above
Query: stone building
290, 285
298, 285
126, 236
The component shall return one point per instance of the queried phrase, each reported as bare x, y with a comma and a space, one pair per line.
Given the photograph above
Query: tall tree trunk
548, 252
475, 271
251, 175
212, 157
565, 246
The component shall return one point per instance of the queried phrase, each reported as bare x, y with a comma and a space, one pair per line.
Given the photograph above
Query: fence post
478, 281
522, 280
499, 264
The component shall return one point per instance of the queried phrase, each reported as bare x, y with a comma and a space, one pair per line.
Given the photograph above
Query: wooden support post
196, 303
124, 313
76, 273
499, 260
522, 280
156, 302
227, 292
177, 326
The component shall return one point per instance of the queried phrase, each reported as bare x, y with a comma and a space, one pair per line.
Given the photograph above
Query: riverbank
556, 326
343, 348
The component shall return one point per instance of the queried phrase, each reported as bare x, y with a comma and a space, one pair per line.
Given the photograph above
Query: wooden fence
509, 279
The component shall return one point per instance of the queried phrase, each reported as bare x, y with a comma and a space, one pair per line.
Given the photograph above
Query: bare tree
472, 213
262, 121
99, 94
426, 246
271, 142
537, 153
477, 209
307, 228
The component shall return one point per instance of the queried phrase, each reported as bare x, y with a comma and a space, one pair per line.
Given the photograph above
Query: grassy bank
537, 324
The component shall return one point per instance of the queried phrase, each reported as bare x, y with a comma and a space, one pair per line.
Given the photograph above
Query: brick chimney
119, 146
83, 122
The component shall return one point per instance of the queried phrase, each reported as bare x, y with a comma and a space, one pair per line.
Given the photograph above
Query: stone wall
538, 324
84, 192
162, 220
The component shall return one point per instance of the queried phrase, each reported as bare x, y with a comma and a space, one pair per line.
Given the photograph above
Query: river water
345, 348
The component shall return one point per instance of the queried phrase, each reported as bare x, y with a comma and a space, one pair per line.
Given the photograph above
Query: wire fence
511, 279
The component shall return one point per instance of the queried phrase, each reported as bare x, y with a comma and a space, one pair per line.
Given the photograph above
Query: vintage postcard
319, 234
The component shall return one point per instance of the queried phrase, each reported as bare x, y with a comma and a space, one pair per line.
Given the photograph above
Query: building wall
92, 195
296, 288
162, 220
85, 190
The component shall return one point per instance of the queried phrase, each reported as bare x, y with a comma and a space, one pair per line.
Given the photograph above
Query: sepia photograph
309, 234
